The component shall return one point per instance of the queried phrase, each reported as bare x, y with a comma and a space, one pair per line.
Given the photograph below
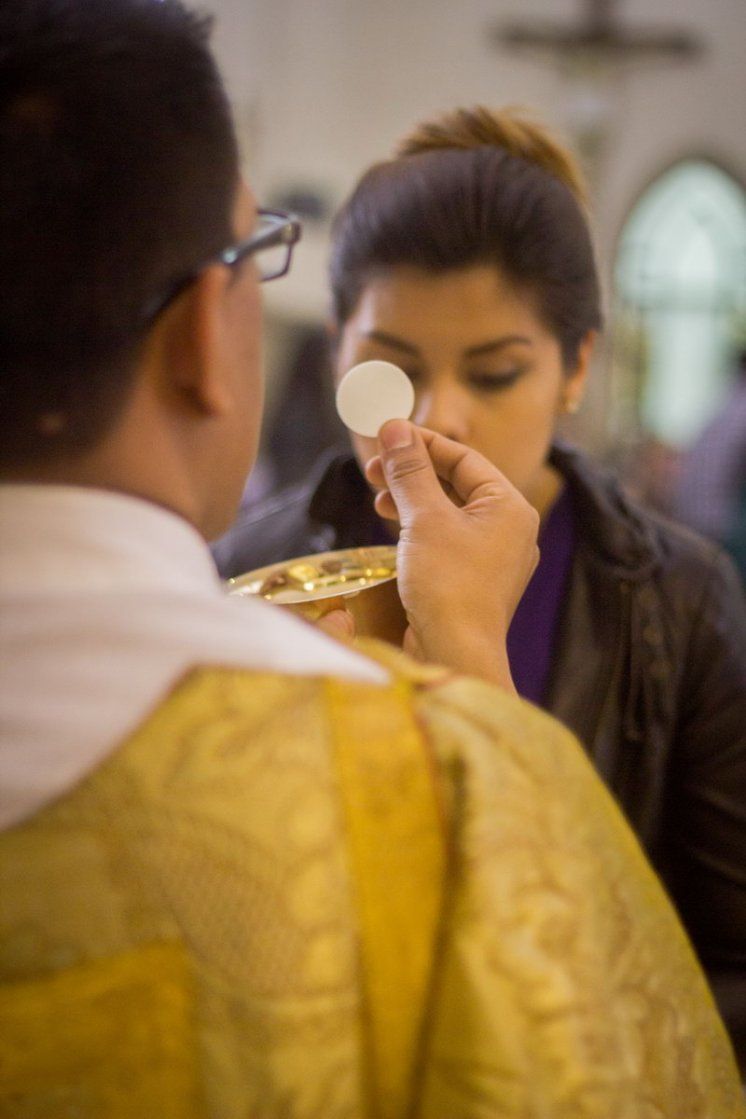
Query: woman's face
486, 371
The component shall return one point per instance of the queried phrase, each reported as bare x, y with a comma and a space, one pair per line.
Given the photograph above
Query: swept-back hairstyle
475, 187
118, 172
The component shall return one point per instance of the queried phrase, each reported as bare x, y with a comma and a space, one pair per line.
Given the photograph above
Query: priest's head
130, 327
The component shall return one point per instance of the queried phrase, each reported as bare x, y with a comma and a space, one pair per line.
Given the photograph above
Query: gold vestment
303, 898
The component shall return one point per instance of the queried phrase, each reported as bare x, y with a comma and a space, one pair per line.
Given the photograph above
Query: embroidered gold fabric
294, 898
111, 1037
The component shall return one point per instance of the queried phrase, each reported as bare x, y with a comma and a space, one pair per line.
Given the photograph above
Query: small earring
571, 405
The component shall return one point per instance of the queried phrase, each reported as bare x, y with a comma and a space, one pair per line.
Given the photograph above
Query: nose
443, 409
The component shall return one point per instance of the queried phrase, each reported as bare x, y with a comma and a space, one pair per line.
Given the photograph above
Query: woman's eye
494, 382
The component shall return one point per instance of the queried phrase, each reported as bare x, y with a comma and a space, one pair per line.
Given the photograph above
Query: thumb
408, 469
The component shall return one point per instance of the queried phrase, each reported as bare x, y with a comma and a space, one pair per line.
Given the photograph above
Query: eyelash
494, 382
486, 383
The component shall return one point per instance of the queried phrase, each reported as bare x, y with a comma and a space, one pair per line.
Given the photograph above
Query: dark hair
475, 187
118, 173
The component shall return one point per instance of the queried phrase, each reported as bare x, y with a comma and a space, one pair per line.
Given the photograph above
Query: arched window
680, 304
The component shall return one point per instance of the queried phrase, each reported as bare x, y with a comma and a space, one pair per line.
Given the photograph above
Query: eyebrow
473, 351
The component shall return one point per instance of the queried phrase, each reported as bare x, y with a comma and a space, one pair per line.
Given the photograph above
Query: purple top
532, 633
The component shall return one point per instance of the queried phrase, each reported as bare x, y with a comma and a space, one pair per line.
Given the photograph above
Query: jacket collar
617, 532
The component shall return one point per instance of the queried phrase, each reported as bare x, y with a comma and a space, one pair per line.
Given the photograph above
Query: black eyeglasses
271, 244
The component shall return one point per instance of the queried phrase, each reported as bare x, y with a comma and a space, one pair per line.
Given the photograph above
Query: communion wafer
372, 393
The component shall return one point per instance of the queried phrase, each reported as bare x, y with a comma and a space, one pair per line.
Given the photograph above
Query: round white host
371, 393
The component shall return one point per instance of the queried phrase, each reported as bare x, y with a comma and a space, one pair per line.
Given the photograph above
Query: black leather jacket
649, 670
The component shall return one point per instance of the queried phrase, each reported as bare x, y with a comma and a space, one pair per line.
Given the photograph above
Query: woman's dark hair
475, 187
118, 175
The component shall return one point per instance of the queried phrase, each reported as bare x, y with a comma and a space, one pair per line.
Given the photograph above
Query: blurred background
650, 93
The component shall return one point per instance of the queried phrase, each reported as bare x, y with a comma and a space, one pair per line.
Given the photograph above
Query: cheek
247, 332
515, 433
250, 380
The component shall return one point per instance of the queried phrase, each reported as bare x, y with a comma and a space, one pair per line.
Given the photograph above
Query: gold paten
362, 580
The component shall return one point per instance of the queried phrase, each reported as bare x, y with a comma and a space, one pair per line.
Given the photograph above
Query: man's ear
190, 342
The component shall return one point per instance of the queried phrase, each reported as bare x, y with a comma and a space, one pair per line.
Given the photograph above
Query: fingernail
395, 434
